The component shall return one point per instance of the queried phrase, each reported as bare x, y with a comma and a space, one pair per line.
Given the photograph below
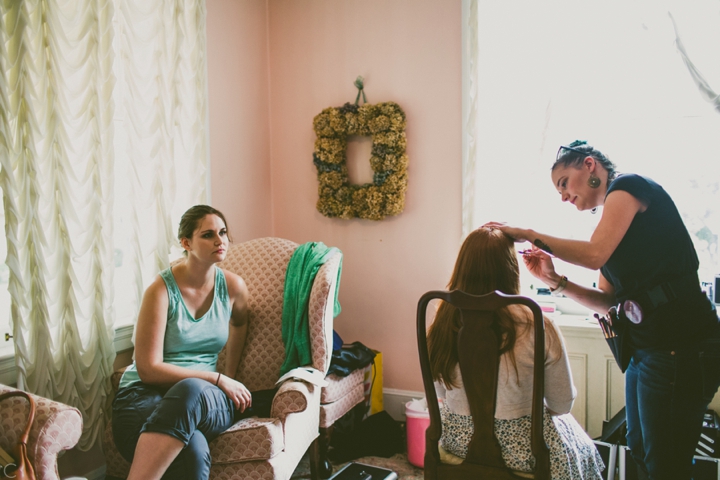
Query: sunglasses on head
563, 147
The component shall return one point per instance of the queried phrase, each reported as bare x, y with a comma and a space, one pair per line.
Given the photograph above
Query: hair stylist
648, 268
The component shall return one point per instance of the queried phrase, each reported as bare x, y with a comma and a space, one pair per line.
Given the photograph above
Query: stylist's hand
236, 392
517, 234
540, 266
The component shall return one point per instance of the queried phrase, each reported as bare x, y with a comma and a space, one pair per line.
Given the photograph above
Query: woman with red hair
487, 262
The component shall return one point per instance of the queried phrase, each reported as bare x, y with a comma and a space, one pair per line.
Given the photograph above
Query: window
609, 73
158, 140
7, 347
95, 174
160, 145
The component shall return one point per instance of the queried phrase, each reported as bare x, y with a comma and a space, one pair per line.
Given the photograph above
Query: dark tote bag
349, 358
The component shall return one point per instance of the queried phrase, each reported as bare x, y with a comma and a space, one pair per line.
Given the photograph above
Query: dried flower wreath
385, 122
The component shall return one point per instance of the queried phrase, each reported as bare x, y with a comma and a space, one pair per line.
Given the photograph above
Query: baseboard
394, 401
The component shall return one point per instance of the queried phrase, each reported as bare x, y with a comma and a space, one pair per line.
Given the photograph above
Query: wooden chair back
479, 359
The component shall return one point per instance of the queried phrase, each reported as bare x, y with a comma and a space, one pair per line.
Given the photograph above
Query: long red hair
487, 262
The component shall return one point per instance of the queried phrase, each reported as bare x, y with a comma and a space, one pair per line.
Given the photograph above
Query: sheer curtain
91, 142
161, 146
608, 72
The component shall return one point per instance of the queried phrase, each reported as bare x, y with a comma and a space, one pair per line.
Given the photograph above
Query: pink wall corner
409, 52
237, 59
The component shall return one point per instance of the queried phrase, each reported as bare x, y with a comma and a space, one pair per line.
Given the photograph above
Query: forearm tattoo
542, 245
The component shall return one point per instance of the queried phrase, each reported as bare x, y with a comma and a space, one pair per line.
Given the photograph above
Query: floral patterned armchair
56, 427
268, 448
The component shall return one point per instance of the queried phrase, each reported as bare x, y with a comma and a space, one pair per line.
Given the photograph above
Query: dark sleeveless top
657, 248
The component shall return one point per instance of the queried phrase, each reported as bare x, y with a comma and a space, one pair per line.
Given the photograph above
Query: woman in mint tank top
172, 402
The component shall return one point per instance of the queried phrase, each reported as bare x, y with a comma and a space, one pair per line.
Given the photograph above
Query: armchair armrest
292, 397
56, 427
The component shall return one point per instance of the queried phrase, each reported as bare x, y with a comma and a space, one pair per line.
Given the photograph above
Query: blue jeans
193, 411
666, 396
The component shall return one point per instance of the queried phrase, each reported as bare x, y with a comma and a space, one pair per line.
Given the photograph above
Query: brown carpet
397, 463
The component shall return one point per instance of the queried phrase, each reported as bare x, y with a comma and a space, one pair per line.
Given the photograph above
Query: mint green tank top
190, 342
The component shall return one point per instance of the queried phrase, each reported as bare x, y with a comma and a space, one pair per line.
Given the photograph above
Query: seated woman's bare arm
238, 293
149, 344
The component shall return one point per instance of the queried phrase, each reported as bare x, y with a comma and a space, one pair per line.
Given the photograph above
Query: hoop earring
593, 181
594, 210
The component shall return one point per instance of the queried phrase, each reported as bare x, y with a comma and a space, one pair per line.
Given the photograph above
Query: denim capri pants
193, 411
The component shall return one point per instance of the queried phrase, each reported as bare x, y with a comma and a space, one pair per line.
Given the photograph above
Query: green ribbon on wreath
360, 86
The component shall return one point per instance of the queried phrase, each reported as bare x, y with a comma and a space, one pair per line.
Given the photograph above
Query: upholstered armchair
56, 427
268, 448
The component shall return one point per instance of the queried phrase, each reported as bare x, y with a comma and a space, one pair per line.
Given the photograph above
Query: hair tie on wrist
218, 379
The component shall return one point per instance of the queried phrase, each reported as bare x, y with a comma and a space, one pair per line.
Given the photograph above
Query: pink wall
239, 116
409, 52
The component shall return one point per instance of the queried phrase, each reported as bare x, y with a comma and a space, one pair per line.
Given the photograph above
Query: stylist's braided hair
575, 153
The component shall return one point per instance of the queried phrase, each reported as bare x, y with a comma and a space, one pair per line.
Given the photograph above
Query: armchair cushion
249, 439
56, 427
339, 386
332, 411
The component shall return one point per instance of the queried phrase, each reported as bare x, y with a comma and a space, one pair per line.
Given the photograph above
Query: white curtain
57, 191
73, 95
470, 114
161, 145
609, 72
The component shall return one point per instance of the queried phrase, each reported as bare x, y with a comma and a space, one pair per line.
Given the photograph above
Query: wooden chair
479, 359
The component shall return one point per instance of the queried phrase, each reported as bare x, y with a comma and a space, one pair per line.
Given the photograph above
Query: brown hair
191, 219
487, 262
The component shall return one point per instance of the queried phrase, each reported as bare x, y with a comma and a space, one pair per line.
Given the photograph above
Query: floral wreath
385, 122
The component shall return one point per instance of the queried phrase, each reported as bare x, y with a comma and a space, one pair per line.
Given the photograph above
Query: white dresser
599, 382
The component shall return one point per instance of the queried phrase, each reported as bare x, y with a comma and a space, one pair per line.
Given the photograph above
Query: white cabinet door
599, 382
597, 378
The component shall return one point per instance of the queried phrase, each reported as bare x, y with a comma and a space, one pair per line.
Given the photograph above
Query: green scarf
301, 271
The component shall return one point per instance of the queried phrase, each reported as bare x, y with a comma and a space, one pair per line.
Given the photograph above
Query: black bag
377, 436
349, 358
